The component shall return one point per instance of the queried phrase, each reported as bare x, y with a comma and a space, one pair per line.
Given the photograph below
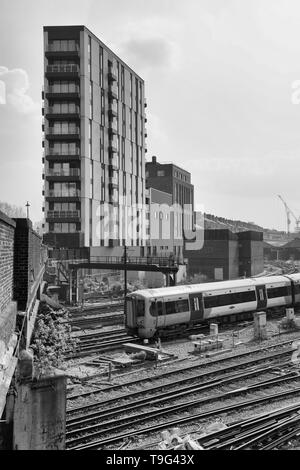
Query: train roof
293, 277
212, 286
269, 279
193, 288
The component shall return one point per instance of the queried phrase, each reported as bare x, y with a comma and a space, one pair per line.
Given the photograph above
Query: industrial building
226, 255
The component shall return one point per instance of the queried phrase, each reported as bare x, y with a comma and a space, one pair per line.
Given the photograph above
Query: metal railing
55, 131
57, 89
62, 214
52, 151
71, 47
71, 68
55, 193
61, 172
69, 110
157, 260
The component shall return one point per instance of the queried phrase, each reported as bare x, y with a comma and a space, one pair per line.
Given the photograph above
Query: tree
12, 211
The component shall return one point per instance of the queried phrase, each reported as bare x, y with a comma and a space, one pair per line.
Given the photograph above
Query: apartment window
160, 173
130, 123
102, 108
137, 160
61, 45
123, 154
91, 100
103, 184
140, 98
101, 67
90, 57
101, 144
131, 97
118, 74
131, 157
122, 84
147, 174
124, 184
63, 86
90, 138
123, 120
91, 178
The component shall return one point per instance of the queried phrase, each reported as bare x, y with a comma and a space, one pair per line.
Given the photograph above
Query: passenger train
155, 312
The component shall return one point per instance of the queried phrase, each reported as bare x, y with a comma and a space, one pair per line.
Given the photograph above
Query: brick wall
7, 306
29, 257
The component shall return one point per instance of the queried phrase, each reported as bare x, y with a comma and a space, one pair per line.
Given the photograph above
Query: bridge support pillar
39, 411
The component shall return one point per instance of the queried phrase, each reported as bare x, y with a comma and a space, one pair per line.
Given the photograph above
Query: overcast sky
218, 75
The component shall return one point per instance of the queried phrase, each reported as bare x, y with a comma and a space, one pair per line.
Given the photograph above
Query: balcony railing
71, 68
113, 161
113, 107
112, 74
59, 90
70, 172
113, 145
70, 110
113, 90
70, 193
63, 47
53, 151
63, 214
113, 126
54, 131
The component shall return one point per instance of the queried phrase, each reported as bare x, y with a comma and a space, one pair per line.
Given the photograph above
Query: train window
159, 308
177, 306
153, 309
196, 303
278, 292
297, 288
140, 308
229, 299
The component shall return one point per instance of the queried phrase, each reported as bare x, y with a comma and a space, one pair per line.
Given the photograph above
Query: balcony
112, 74
62, 71
63, 134
113, 162
62, 50
73, 174
63, 215
63, 113
113, 196
113, 146
63, 93
113, 92
113, 126
69, 172
113, 108
62, 155
61, 195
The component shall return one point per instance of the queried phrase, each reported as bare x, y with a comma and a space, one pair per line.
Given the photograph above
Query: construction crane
289, 213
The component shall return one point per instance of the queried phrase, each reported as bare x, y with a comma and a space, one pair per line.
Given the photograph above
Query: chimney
154, 159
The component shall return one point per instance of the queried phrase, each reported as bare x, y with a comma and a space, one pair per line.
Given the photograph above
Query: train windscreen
140, 308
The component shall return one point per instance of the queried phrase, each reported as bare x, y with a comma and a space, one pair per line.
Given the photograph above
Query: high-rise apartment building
94, 143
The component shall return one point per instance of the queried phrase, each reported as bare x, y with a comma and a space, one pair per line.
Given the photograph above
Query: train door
261, 296
196, 306
130, 319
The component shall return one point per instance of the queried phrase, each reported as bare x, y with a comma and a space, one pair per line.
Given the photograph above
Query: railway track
106, 433
265, 431
102, 422
188, 369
